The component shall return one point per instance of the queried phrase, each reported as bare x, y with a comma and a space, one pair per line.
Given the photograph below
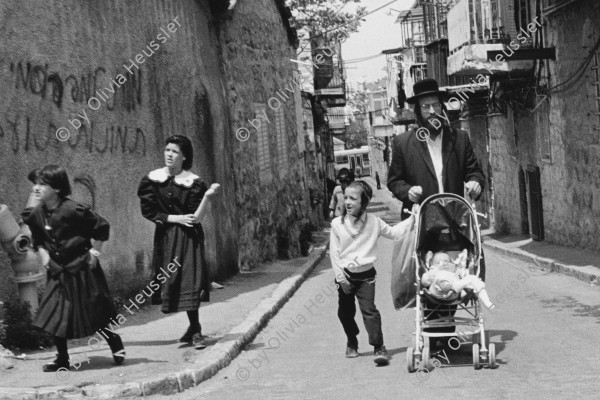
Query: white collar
185, 178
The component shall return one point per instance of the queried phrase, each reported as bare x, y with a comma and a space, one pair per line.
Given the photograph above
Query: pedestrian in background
353, 251
169, 196
336, 206
76, 302
377, 180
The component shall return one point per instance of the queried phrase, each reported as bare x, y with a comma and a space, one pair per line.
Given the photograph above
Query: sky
379, 32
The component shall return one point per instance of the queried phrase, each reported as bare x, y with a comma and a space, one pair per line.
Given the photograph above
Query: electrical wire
353, 19
363, 59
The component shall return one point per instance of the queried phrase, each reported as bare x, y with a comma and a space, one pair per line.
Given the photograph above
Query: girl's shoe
199, 342
188, 336
58, 363
117, 348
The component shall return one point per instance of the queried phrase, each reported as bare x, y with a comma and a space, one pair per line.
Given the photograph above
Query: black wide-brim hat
427, 87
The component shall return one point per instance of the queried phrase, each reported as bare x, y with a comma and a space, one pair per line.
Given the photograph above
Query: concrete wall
55, 55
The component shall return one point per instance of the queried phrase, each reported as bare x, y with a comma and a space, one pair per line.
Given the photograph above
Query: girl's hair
366, 193
185, 145
54, 176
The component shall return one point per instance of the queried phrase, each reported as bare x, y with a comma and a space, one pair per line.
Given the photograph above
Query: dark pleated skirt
188, 285
77, 302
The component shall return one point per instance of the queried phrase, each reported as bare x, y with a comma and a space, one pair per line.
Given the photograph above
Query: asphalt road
545, 328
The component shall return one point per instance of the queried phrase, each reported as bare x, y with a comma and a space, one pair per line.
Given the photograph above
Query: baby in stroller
448, 280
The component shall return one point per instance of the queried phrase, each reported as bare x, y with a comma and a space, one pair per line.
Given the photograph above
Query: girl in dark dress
169, 197
77, 301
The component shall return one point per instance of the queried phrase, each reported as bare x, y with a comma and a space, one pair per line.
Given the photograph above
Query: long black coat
412, 166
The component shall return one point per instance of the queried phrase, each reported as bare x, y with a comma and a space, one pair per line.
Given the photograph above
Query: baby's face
443, 262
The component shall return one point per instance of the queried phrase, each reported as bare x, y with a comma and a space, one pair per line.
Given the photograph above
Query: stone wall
558, 135
377, 145
55, 57
258, 72
477, 128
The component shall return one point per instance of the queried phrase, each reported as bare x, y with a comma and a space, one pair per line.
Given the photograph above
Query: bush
18, 329
306, 237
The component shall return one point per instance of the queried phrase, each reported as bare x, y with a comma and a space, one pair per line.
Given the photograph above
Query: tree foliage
326, 18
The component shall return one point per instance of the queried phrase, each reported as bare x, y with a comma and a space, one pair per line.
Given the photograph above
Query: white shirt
354, 246
435, 150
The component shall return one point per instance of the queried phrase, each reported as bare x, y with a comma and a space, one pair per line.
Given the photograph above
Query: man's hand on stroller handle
473, 189
415, 193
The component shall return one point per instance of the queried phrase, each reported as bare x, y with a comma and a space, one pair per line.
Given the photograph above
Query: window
264, 156
282, 143
341, 159
366, 157
522, 14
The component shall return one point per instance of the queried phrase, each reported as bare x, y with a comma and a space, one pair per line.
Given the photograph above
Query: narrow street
544, 326
172, 172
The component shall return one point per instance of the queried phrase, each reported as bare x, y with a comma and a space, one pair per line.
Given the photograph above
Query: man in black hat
435, 157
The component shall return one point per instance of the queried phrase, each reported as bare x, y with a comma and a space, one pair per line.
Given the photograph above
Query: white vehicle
357, 160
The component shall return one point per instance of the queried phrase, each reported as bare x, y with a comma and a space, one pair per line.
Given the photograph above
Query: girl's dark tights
112, 338
194, 320
61, 347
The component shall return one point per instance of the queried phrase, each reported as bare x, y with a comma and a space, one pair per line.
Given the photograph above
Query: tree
326, 18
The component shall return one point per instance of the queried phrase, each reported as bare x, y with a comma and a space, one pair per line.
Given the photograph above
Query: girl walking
169, 196
353, 250
77, 301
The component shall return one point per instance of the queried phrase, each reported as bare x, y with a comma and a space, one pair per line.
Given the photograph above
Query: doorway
534, 201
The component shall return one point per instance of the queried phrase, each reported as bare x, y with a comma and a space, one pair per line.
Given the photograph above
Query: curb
587, 274
216, 358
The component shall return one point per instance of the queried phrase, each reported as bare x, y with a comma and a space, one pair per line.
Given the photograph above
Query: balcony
334, 93
476, 27
337, 120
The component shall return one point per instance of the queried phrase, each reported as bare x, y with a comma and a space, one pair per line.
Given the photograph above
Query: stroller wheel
492, 355
410, 359
426, 357
476, 363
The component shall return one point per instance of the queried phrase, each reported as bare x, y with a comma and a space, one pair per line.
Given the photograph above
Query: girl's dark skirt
76, 302
183, 249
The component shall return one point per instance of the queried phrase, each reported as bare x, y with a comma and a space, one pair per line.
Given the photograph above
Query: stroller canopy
446, 223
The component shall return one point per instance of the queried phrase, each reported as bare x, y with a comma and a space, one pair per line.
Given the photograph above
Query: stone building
538, 117
120, 77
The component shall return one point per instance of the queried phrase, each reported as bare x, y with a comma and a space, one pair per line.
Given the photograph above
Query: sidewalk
579, 263
156, 362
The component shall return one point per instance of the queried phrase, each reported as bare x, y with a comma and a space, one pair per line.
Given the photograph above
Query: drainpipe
25, 262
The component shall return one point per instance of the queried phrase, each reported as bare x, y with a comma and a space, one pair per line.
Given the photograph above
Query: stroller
447, 222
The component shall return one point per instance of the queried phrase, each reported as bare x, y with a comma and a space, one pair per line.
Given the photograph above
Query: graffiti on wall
23, 133
37, 79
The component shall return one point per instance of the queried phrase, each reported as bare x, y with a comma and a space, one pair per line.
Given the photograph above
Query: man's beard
434, 124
